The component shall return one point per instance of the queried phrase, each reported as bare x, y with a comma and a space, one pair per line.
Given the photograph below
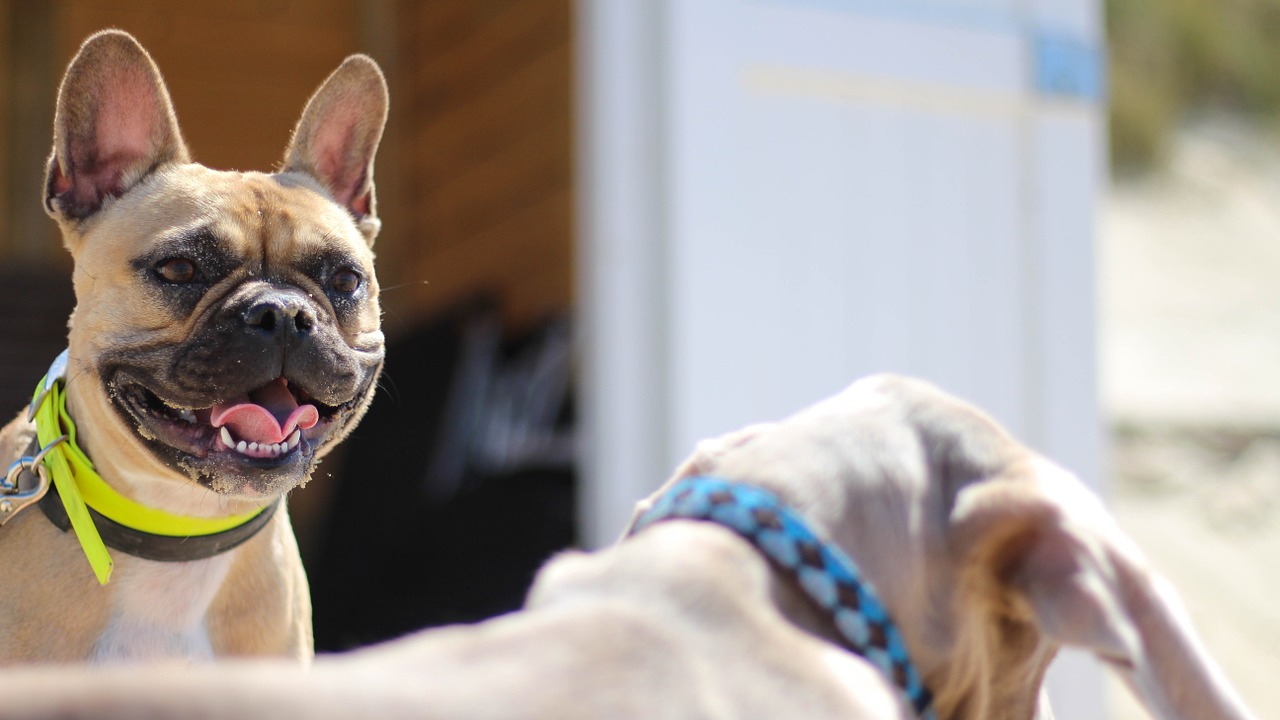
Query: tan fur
120, 181
988, 557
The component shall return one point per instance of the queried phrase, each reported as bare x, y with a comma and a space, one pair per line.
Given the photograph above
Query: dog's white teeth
261, 450
187, 416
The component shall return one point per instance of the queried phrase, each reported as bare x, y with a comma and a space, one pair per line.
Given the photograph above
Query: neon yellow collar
82, 488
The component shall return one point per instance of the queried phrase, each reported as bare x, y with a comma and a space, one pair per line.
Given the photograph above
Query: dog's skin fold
210, 305
988, 556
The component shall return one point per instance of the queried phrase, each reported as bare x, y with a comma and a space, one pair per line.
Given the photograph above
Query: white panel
620, 319
1079, 18
1069, 175
984, 14
819, 234
978, 58
1070, 166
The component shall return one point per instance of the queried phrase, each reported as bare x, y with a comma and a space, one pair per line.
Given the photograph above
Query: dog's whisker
401, 286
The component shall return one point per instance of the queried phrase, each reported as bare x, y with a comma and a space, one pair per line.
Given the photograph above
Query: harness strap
825, 573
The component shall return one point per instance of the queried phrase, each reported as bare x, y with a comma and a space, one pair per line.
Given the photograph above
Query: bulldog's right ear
113, 126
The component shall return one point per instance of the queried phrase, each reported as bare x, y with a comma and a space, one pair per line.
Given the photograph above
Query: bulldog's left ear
338, 135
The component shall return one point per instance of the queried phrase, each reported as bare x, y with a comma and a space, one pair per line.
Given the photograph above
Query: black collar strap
824, 572
164, 548
150, 546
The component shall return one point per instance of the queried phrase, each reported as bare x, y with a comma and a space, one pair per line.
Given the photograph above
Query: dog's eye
176, 270
345, 281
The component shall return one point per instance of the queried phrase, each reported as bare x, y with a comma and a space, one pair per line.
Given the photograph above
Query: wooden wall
6, 101
484, 106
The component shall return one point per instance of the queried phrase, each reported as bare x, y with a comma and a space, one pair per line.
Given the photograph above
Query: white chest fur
158, 610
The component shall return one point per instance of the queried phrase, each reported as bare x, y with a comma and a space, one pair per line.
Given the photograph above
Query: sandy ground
1190, 359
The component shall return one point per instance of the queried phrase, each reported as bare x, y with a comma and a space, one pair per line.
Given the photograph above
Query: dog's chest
158, 611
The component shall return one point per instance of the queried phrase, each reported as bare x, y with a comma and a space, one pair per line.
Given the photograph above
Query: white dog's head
988, 556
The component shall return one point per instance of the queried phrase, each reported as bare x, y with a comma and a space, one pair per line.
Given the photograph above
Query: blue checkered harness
827, 575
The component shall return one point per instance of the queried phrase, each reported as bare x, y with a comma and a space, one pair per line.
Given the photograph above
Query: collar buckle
15, 493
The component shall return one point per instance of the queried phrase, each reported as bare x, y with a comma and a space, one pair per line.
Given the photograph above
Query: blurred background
614, 228
1189, 256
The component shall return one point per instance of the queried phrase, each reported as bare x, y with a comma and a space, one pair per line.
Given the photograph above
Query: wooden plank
34, 72
239, 126
239, 71
6, 119
523, 245
491, 52
439, 24
99, 14
487, 157
481, 194
534, 297
464, 134
505, 251
224, 49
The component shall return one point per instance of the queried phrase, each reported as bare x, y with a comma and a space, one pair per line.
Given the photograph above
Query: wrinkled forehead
277, 216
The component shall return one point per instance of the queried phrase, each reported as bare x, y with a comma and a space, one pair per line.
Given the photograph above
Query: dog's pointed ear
1028, 544
1054, 558
114, 124
338, 135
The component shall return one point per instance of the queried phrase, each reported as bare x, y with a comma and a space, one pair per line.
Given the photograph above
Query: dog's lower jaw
198, 446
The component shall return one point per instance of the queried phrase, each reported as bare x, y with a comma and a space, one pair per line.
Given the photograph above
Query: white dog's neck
969, 661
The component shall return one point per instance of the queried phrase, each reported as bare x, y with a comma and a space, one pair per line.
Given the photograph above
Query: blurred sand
1190, 361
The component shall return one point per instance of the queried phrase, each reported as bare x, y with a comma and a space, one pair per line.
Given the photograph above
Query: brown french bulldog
226, 336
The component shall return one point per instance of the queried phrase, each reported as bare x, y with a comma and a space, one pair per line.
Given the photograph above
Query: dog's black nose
281, 315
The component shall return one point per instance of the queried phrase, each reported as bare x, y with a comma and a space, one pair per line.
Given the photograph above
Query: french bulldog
226, 335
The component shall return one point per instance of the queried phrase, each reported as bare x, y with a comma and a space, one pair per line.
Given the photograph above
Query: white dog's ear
1048, 548
337, 137
114, 124
1059, 573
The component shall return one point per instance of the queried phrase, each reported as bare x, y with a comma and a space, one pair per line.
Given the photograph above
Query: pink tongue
265, 416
